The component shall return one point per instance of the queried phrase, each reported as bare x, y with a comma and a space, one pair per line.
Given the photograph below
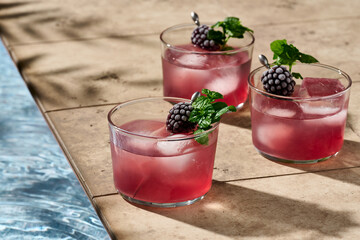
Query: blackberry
278, 80
199, 38
177, 120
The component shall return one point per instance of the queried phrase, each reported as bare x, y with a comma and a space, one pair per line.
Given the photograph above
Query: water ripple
40, 197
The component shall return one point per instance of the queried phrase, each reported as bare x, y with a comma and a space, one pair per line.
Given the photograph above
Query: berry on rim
200, 39
278, 80
177, 120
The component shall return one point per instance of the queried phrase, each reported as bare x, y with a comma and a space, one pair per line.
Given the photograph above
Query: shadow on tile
241, 118
232, 210
347, 158
64, 24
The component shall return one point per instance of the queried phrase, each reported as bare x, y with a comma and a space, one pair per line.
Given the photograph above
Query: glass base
162, 205
276, 159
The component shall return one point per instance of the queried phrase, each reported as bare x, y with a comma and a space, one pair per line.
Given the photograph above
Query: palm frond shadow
232, 210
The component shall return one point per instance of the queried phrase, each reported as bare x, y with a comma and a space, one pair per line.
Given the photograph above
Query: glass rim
178, 26
165, 139
289, 98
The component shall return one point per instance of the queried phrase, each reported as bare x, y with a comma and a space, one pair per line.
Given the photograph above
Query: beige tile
303, 206
83, 73
84, 133
331, 42
282, 12
41, 21
354, 110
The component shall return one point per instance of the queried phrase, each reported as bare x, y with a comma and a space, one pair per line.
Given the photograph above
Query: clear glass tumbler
187, 69
307, 127
153, 167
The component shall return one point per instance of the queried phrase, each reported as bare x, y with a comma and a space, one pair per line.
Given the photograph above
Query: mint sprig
231, 28
288, 54
206, 112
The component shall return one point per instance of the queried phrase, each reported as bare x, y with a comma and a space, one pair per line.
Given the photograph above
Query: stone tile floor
80, 58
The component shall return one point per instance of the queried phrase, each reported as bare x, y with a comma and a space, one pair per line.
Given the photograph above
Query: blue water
40, 197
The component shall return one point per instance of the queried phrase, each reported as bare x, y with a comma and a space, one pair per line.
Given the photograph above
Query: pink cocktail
152, 166
187, 69
307, 127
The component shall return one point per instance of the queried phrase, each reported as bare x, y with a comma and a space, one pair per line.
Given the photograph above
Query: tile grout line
158, 33
289, 174
81, 107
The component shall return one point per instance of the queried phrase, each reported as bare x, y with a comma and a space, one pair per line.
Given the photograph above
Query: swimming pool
40, 197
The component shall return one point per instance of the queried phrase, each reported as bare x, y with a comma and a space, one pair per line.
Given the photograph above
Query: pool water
40, 197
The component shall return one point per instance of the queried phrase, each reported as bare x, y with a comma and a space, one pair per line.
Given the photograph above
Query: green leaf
227, 48
218, 105
304, 58
195, 115
231, 28
205, 121
217, 36
212, 94
206, 111
221, 112
232, 108
201, 102
277, 47
202, 138
296, 75
288, 54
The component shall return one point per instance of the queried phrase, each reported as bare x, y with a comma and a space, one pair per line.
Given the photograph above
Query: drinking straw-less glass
187, 69
150, 165
307, 127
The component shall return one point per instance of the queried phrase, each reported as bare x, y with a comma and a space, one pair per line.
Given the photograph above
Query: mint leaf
205, 121
202, 138
277, 46
231, 28
218, 105
288, 54
304, 58
296, 75
212, 94
201, 102
217, 36
206, 112
220, 113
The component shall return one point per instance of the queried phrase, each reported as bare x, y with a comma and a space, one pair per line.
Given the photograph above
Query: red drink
188, 69
304, 128
152, 166
162, 172
185, 73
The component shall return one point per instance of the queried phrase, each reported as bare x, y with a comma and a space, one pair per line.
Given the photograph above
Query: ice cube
318, 108
317, 87
173, 148
336, 119
224, 83
183, 82
274, 135
138, 144
178, 163
281, 112
192, 60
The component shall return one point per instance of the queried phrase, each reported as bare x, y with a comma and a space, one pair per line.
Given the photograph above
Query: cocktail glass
187, 69
153, 167
307, 127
